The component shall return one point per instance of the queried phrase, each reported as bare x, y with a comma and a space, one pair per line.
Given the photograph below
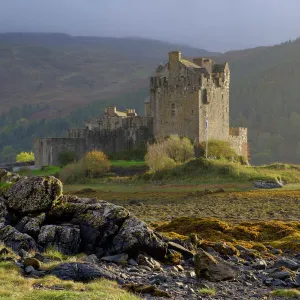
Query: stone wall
238, 139
129, 137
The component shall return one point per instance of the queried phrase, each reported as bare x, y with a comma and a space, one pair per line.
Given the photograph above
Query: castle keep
187, 97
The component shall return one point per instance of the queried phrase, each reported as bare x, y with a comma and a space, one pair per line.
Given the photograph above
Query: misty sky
216, 25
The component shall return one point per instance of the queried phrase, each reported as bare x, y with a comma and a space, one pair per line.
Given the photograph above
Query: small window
222, 96
173, 112
192, 112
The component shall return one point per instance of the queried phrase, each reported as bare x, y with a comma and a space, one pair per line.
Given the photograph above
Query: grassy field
128, 163
14, 286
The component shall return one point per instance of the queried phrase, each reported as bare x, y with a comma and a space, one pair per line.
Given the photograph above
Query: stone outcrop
35, 215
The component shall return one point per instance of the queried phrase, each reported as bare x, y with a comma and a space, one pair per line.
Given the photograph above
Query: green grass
288, 293
46, 171
14, 286
128, 163
221, 171
209, 292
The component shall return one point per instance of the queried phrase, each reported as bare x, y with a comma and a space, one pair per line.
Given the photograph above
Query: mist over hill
50, 82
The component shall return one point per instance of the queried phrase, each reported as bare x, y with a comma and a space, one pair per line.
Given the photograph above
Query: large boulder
31, 226
34, 194
135, 236
16, 240
98, 222
65, 239
81, 272
213, 268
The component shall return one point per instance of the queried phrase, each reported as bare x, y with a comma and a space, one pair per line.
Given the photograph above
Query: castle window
173, 112
192, 112
222, 96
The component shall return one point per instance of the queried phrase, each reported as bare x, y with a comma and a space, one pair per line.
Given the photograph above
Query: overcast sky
217, 25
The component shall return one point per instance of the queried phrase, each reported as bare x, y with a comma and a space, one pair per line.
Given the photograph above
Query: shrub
72, 173
67, 157
166, 154
95, 163
25, 157
218, 149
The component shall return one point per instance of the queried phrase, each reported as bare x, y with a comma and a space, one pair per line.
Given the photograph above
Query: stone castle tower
186, 98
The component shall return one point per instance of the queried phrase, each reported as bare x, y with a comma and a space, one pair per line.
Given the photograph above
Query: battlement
238, 131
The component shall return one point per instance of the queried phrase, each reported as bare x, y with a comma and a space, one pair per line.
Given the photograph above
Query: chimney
174, 58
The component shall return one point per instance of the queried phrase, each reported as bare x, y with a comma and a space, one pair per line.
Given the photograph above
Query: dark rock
98, 222
132, 262
259, 264
282, 275
4, 215
91, 259
297, 279
29, 269
145, 260
31, 226
84, 272
287, 263
135, 236
213, 268
268, 184
187, 254
117, 259
16, 240
64, 238
146, 289
34, 194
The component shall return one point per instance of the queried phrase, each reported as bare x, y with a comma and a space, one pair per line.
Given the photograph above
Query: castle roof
189, 64
120, 113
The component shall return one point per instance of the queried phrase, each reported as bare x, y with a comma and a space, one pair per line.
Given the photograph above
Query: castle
187, 97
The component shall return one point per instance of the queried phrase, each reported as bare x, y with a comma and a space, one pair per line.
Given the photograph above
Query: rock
8, 177
15, 239
98, 222
190, 274
34, 194
268, 184
120, 259
187, 254
84, 272
146, 289
4, 215
136, 236
24, 253
260, 264
282, 275
31, 226
180, 268
35, 263
29, 269
297, 279
174, 257
132, 262
287, 263
213, 268
64, 238
135, 202
91, 259
144, 260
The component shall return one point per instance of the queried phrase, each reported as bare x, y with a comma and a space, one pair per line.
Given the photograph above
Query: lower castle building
187, 97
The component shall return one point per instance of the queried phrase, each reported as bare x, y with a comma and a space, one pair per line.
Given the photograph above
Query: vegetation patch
287, 293
207, 292
279, 234
15, 286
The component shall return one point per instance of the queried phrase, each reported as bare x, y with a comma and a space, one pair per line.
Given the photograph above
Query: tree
8, 154
25, 157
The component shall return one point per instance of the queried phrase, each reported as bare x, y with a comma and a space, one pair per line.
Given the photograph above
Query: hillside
50, 82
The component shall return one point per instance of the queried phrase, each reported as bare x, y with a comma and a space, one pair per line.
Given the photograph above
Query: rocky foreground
35, 216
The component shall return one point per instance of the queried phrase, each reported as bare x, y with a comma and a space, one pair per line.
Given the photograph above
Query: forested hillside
51, 82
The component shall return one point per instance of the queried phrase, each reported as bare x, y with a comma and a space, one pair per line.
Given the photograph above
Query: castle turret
174, 59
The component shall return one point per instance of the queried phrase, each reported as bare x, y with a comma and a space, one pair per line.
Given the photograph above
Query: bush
166, 154
72, 173
67, 157
25, 157
95, 163
219, 149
